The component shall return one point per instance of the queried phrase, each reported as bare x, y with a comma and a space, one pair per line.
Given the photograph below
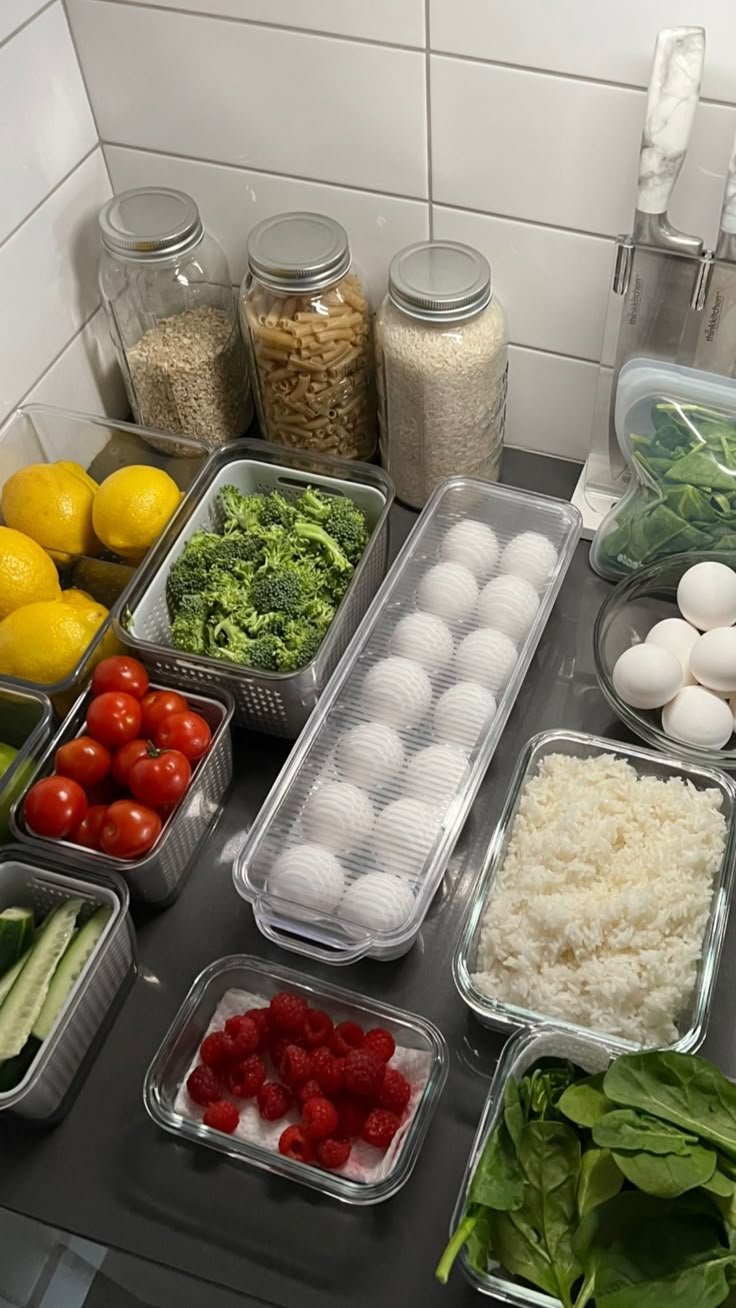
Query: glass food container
441, 359
308, 322
168, 293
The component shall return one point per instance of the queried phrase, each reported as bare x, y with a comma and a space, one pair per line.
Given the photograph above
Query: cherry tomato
114, 718
120, 672
124, 758
129, 829
55, 807
157, 705
187, 732
107, 791
85, 760
89, 830
160, 777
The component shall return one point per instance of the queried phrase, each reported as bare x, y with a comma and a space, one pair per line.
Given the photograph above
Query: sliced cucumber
77, 954
9, 979
16, 935
23, 1004
14, 1069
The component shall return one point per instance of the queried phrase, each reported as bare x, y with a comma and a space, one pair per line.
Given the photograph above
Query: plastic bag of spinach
616, 1190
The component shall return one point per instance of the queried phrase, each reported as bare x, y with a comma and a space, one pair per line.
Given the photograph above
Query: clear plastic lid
297, 252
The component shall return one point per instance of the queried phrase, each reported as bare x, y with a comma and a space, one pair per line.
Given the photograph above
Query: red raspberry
216, 1049
294, 1144
244, 1035
364, 1073
274, 1101
288, 1013
260, 1017
380, 1042
222, 1116
395, 1091
317, 1028
245, 1079
295, 1066
346, 1036
328, 1071
310, 1090
380, 1128
203, 1086
279, 1046
351, 1115
333, 1153
319, 1119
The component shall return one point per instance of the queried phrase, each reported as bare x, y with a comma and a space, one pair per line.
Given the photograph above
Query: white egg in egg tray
350, 847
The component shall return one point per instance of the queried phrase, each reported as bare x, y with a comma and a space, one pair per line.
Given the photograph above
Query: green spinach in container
677, 431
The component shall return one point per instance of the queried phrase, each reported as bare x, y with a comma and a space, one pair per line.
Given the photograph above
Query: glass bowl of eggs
664, 644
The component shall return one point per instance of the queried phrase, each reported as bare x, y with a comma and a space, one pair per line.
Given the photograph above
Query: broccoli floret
189, 574
311, 531
301, 641
238, 510
280, 591
346, 523
277, 512
266, 653
189, 626
239, 550
313, 504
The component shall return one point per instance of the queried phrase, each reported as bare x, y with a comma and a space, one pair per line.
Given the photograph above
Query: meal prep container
277, 703
38, 433
625, 618
517, 1057
157, 877
507, 1017
327, 936
239, 972
25, 723
24, 882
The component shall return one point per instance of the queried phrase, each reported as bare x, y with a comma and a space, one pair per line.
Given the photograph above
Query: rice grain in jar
308, 322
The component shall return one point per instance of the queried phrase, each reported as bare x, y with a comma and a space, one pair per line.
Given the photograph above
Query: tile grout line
26, 23
82, 74
40, 203
428, 111
17, 404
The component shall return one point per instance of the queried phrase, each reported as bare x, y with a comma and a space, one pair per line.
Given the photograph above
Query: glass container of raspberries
300, 1078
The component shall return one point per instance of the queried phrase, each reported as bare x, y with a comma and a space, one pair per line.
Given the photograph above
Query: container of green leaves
677, 431
600, 1180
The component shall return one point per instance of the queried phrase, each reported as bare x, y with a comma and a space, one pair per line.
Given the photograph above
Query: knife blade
716, 345
657, 267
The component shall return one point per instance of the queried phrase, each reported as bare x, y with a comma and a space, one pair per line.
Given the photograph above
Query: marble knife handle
728, 212
674, 87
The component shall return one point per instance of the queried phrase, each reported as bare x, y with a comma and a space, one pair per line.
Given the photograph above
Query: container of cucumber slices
66, 950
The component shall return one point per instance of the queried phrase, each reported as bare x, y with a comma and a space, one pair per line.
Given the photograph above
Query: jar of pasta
308, 322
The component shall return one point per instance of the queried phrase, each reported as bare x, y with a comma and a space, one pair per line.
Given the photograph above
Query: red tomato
114, 718
129, 830
55, 807
157, 705
120, 672
187, 732
124, 758
104, 793
89, 830
160, 778
85, 760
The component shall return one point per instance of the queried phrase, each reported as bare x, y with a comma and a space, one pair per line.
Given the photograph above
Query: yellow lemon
44, 642
77, 597
26, 572
52, 503
131, 509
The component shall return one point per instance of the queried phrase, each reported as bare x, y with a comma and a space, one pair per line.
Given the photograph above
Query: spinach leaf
478, 1244
720, 1185
701, 468
517, 1247
584, 1102
600, 1179
514, 1113
624, 1128
497, 1180
705, 1285
670, 1175
547, 1084
550, 1158
679, 1088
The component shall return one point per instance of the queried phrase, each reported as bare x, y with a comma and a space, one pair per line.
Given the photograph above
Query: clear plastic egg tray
349, 848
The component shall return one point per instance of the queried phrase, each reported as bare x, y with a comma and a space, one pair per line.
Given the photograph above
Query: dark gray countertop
108, 1174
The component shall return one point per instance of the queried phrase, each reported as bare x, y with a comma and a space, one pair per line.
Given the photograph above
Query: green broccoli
313, 504
189, 625
277, 512
346, 523
300, 644
240, 511
281, 591
311, 531
189, 573
266, 653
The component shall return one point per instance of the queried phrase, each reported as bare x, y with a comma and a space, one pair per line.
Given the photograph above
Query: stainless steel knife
716, 344
657, 266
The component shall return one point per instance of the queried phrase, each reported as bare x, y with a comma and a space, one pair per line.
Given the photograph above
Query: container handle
321, 953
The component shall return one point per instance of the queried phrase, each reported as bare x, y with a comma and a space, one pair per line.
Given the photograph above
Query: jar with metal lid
441, 359
309, 325
168, 293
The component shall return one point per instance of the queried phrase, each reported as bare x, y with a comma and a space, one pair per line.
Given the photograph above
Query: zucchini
22, 1005
9, 979
75, 958
16, 934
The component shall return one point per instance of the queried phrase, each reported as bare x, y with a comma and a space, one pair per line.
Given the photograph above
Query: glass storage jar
308, 323
441, 360
168, 293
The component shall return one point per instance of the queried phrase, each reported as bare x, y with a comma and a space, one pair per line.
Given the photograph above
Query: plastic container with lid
308, 321
441, 359
25, 724
167, 289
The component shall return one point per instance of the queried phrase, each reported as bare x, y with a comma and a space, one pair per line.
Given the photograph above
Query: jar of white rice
441, 356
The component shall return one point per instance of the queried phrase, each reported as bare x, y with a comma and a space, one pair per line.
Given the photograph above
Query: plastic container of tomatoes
156, 877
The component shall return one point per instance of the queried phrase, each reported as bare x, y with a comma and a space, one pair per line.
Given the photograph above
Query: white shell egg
403, 836
706, 595
509, 604
473, 544
337, 815
449, 590
463, 712
435, 774
698, 717
425, 638
530, 555
646, 676
486, 656
678, 636
377, 900
308, 875
713, 659
397, 691
370, 754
